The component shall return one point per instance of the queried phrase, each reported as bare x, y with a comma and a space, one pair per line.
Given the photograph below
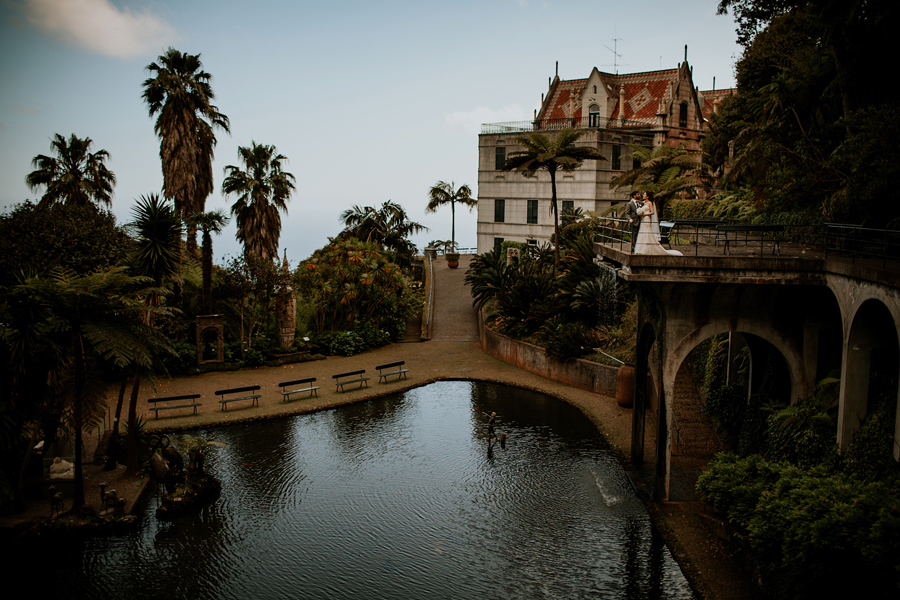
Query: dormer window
595, 89
594, 116
682, 115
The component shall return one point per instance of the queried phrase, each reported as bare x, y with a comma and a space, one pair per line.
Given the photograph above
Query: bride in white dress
647, 241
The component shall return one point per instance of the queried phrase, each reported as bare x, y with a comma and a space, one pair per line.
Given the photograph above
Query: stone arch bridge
815, 311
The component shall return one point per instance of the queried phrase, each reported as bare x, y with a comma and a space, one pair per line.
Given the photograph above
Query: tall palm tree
181, 95
209, 223
75, 175
551, 154
262, 189
443, 193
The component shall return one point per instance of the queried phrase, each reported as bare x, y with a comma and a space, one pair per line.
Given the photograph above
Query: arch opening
869, 382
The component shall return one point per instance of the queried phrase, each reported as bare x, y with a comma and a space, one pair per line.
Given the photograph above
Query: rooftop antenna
616, 55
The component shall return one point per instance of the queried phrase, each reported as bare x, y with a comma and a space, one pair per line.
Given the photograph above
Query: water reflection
396, 498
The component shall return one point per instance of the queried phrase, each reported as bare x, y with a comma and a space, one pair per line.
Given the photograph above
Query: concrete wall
583, 374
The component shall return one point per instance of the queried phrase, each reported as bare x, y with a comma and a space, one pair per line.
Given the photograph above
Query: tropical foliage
388, 226
353, 284
63, 329
569, 313
180, 95
543, 153
36, 238
75, 175
801, 134
263, 188
669, 172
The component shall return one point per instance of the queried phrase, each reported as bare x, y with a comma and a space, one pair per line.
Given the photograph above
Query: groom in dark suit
633, 217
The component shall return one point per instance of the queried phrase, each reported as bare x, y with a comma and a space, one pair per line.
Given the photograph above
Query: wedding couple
641, 214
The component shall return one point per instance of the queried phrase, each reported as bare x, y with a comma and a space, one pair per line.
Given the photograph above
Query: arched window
595, 89
594, 116
682, 115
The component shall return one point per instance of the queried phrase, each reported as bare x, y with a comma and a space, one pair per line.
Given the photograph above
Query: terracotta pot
452, 260
625, 386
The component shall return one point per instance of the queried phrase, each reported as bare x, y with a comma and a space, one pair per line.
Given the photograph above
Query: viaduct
816, 311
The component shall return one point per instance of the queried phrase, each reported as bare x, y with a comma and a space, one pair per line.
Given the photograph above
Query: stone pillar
285, 308
286, 317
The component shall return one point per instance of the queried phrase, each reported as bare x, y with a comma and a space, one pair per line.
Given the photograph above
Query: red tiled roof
711, 97
563, 91
640, 105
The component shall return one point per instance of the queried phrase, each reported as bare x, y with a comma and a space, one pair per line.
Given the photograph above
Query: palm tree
551, 155
262, 190
76, 175
209, 223
667, 171
181, 94
443, 193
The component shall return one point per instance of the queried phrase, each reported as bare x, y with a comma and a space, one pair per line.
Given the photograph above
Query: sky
369, 101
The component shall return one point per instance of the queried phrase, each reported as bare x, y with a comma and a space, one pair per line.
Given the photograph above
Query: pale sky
369, 101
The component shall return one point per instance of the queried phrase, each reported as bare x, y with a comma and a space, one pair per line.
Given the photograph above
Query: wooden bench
358, 379
254, 398
286, 393
190, 397
396, 371
752, 233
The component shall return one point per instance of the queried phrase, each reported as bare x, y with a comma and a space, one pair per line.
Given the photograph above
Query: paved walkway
454, 352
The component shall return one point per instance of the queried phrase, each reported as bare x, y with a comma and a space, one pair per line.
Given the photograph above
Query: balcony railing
589, 122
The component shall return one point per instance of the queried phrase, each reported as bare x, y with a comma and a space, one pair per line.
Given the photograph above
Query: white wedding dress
647, 242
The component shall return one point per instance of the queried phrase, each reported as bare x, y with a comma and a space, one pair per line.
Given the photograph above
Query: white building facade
647, 109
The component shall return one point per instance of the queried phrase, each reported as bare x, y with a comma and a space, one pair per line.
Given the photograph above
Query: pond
395, 498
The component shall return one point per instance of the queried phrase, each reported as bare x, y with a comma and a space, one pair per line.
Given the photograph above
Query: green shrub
183, 361
799, 227
727, 405
566, 341
346, 343
813, 533
805, 433
685, 209
254, 357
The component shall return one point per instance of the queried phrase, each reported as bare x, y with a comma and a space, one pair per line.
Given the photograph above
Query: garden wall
579, 373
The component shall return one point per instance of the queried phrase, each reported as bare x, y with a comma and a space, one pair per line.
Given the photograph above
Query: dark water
394, 498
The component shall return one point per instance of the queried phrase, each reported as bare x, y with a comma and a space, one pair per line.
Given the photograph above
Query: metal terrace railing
589, 122
856, 241
850, 241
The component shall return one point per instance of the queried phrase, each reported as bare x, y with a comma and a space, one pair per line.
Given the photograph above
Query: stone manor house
614, 110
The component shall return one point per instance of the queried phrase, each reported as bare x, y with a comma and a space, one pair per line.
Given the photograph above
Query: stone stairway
695, 435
